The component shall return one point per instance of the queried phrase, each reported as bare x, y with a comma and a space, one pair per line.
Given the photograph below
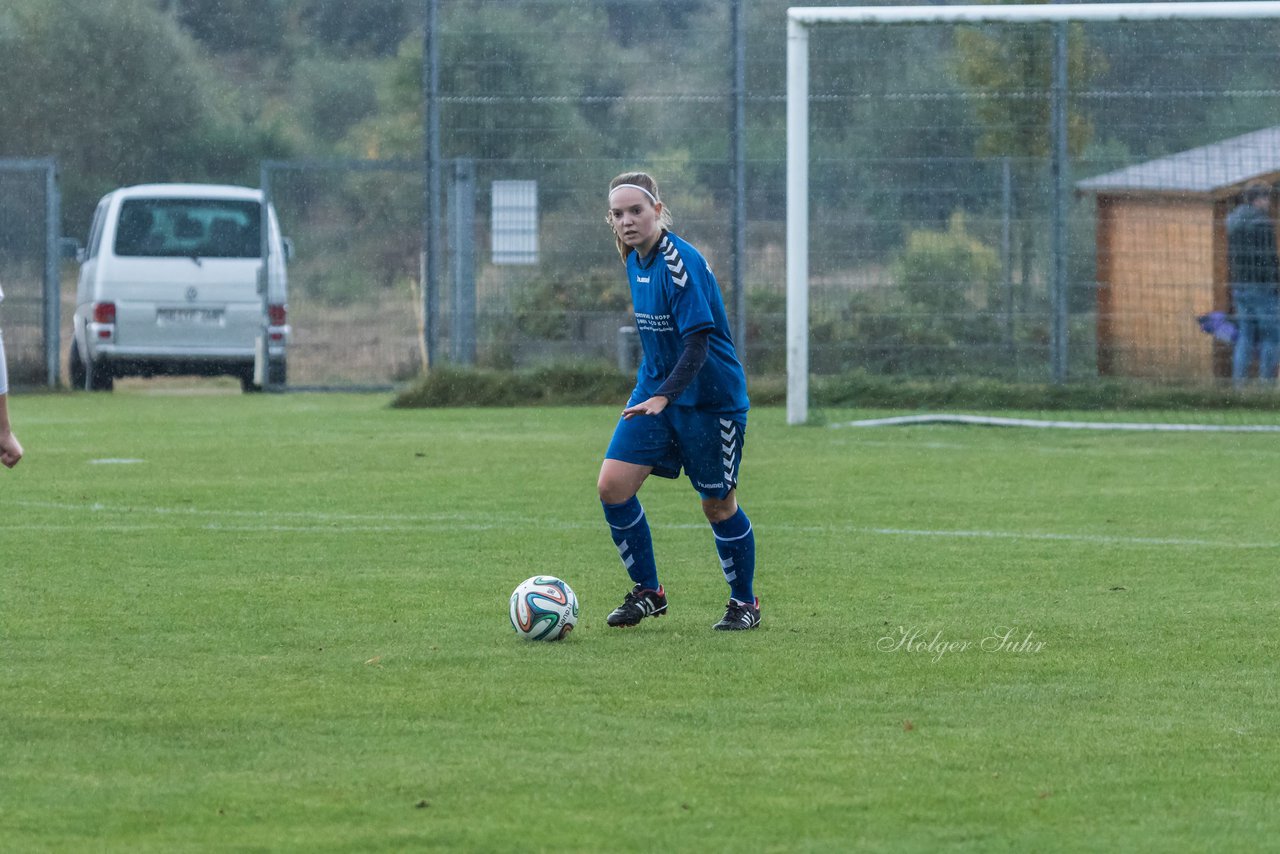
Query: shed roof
1208, 169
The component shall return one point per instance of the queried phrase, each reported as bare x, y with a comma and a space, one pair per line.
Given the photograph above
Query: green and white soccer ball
543, 608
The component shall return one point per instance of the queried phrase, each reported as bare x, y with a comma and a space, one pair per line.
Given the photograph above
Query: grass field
278, 623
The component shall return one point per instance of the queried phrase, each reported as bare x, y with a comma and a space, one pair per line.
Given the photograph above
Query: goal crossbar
1033, 13
801, 18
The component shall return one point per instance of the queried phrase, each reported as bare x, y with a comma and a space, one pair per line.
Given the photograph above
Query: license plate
189, 316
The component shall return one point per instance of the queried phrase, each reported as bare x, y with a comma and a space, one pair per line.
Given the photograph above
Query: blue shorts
707, 445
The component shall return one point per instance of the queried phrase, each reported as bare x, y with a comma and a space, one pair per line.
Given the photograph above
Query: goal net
1026, 193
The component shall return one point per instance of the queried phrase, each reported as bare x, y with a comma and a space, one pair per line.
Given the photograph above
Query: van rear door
188, 274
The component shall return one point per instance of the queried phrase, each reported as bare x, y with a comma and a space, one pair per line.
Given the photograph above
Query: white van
172, 281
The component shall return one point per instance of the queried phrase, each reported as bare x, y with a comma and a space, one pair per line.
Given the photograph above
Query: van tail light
276, 315
104, 312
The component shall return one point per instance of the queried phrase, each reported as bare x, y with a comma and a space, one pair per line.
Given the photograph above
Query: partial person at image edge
1254, 276
10, 448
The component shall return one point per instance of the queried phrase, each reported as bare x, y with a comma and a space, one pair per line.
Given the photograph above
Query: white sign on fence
514, 230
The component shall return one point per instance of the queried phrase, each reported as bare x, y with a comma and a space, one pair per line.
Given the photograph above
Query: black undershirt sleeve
691, 360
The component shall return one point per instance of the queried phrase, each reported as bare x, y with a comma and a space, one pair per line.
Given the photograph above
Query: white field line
995, 421
318, 517
1106, 539
344, 524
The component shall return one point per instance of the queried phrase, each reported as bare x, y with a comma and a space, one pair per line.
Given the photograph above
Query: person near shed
1254, 275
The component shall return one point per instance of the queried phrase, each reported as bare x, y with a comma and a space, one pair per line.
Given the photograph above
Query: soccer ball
543, 608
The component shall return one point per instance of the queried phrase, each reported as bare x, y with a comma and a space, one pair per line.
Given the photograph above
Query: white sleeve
4, 369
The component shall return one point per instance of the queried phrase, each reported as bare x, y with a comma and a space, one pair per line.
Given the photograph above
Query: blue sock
737, 547
630, 530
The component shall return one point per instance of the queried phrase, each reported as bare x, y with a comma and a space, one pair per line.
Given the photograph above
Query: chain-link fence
522, 112
29, 253
932, 179
933, 194
355, 228
356, 303
931, 241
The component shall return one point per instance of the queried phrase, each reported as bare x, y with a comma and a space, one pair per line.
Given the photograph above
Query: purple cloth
1216, 324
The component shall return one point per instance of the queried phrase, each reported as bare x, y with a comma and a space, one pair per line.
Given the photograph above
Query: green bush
941, 271
936, 320
601, 384
542, 308
561, 384
936, 317
866, 390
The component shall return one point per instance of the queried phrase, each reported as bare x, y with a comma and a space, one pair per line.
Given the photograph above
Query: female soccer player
10, 449
688, 409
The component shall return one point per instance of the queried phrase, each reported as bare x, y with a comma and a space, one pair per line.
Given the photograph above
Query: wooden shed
1162, 255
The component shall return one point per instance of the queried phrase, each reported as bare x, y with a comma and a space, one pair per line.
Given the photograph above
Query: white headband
651, 196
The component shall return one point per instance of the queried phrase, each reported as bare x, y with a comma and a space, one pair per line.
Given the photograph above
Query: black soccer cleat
638, 605
739, 616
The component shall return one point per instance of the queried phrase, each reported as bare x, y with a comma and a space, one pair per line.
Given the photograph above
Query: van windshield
189, 228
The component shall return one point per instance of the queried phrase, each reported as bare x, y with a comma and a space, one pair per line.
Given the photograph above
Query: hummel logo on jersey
644, 280
675, 264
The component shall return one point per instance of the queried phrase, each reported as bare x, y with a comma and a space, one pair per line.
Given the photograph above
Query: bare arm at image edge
10, 449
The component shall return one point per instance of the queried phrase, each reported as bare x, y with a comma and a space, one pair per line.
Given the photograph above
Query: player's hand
10, 450
652, 406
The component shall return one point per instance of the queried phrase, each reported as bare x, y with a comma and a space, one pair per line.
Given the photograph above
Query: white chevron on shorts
679, 275
729, 448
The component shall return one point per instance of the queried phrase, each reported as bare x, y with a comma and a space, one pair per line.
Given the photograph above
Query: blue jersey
674, 295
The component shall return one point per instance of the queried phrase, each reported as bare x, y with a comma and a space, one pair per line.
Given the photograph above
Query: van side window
134, 229
188, 228
95, 230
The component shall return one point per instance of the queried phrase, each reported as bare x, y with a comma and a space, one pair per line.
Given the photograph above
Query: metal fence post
738, 152
262, 348
52, 312
462, 219
431, 241
1058, 301
1006, 255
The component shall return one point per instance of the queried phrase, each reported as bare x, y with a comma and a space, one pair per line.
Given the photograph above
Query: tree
632, 24
231, 25
1213, 80
367, 28
505, 99
119, 95
1014, 74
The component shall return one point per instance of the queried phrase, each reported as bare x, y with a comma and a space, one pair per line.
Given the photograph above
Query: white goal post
799, 21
